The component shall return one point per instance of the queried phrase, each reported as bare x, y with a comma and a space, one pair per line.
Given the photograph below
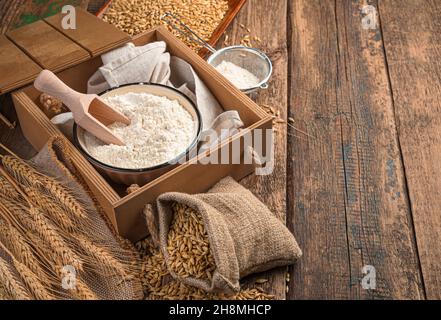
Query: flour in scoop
240, 77
161, 129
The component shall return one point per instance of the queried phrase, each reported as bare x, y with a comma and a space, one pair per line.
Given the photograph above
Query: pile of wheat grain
137, 16
190, 255
45, 230
188, 245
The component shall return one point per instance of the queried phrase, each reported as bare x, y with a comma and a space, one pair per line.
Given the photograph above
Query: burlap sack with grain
245, 237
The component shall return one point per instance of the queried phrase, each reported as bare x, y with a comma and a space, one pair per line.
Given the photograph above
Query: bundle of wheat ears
54, 245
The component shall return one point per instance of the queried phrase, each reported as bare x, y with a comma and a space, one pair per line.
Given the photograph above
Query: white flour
240, 77
160, 130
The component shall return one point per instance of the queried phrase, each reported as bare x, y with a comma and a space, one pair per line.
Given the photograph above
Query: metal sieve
251, 59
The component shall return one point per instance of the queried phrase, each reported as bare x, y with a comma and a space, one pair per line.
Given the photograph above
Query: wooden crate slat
48, 47
93, 34
10, 58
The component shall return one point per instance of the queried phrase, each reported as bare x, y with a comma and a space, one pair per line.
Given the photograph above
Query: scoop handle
49, 83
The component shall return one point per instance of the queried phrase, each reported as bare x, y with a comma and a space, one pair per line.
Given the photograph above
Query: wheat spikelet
16, 243
33, 282
102, 256
49, 234
53, 210
13, 286
27, 175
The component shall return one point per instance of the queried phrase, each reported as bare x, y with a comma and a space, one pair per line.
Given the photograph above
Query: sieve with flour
251, 59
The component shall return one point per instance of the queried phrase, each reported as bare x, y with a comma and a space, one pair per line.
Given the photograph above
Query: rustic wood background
362, 186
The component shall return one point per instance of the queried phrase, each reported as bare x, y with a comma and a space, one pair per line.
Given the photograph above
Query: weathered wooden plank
270, 189
412, 35
348, 198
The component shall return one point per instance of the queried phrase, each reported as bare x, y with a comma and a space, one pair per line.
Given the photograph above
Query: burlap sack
245, 237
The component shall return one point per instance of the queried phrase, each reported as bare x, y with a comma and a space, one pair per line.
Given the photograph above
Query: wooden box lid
44, 44
95, 35
16, 68
48, 47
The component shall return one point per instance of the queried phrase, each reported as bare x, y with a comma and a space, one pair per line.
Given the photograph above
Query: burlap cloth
245, 237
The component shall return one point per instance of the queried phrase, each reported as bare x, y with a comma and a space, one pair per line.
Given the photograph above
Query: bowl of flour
165, 127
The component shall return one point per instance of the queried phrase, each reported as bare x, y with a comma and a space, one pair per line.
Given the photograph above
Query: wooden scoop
89, 112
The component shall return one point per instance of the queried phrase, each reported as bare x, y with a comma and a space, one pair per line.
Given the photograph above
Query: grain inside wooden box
125, 211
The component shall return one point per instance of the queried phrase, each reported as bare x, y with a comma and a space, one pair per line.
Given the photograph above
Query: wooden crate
125, 211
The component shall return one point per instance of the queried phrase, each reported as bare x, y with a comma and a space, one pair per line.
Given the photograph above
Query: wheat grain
16, 211
136, 16
158, 285
187, 233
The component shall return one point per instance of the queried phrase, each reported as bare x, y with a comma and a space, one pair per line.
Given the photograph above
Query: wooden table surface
358, 178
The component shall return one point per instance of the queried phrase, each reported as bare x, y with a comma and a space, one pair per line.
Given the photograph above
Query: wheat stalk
13, 286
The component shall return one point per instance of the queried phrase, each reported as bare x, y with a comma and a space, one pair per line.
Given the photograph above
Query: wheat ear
49, 234
16, 243
33, 282
83, 292
14, 286
16, 213
27, 175
53, 210
7, 189
101, 256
